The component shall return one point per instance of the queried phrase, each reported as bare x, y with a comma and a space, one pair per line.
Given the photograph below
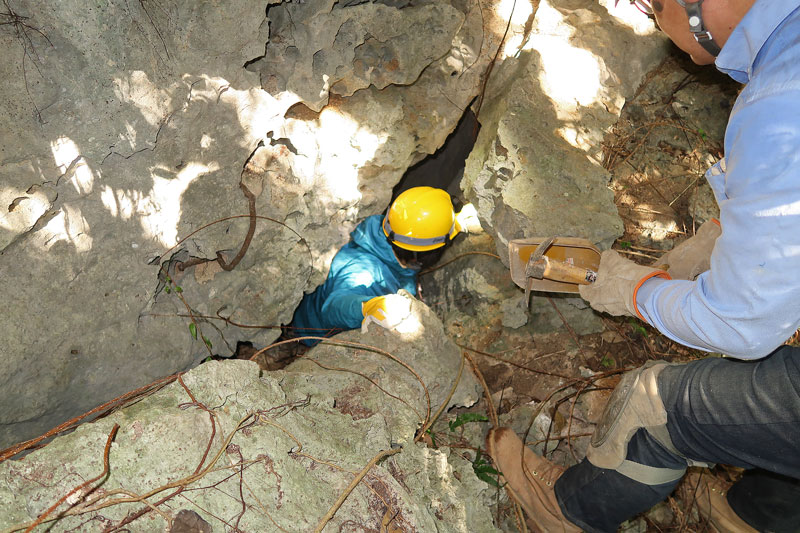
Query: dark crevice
285, 142
444, 168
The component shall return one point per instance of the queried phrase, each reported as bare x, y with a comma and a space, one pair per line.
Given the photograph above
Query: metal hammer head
537, 261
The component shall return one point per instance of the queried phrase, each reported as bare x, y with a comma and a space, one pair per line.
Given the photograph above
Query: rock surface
282, 447
558, 86
129, 130
137, 133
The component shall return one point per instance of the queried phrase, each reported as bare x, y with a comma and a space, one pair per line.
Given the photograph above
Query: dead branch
332, 511
80, 488
442, 407
111, 404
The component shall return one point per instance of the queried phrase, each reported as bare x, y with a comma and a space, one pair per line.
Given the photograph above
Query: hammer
540, 266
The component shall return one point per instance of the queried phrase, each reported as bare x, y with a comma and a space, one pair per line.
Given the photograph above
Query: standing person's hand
692, 257
618, 280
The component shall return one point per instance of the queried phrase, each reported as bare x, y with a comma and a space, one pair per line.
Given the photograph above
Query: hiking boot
712, 504
530, 479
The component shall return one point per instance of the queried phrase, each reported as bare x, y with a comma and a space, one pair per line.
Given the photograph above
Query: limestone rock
702, 204
327, 47
281, 446
129, 129
475, 298
557, 87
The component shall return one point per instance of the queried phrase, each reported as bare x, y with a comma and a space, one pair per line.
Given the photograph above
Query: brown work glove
618, 280
692, 257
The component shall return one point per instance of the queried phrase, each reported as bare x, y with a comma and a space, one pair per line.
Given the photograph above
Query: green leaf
178, 288
208, 342
488, 479
433, 437
463, 418
167, 289
193, 330
485, 471
638, 328
207, 359
625, 244
608, 361
702, 133
485, 468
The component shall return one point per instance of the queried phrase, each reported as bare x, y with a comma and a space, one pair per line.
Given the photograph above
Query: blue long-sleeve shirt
748, 303
362, 269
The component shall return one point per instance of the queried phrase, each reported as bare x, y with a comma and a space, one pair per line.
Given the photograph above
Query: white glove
386, 311
618, 280
692, 257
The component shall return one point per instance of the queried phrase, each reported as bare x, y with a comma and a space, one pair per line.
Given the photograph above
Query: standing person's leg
717, 410
744, 414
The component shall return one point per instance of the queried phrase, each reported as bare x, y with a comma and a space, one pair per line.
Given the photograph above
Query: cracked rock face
282, 447
136, 133
535, 170
131, 131
340, 51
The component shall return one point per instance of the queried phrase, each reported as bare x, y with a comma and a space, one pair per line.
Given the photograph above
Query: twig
332, 511
233, 448
489, 402
560, 437
571, 416
83, 485
177, 483
442, 407
459, 256
263, 507
621, 334
179, 292
489, 68
645, 249
685, 517
348, 344
251, 200
635, 148
519, 517
141, 512
338, 369
224, 219
569, 328
637, 254
141, 391
683, 191
512, 363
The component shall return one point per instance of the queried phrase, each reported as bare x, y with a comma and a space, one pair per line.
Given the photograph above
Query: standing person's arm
748, 303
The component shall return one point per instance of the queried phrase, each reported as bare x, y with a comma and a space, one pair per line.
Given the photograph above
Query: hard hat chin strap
695, 12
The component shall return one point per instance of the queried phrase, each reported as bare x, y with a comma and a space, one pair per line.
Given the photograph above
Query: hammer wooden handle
560, 271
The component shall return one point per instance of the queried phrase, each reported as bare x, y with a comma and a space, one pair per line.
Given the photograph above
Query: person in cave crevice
385, 254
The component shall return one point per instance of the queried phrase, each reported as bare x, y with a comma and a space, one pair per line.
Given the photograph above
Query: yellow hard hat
421, 219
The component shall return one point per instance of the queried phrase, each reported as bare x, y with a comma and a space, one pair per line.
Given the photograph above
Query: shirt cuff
644, 297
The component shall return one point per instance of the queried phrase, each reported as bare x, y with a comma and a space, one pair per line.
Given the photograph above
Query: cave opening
444, 168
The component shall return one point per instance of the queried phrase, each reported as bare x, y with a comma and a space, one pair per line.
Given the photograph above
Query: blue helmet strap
695, 12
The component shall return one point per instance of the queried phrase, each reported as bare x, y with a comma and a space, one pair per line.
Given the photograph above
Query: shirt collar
738, 56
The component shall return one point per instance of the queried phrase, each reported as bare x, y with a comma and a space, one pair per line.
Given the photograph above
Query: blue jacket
364, 268
748, 303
